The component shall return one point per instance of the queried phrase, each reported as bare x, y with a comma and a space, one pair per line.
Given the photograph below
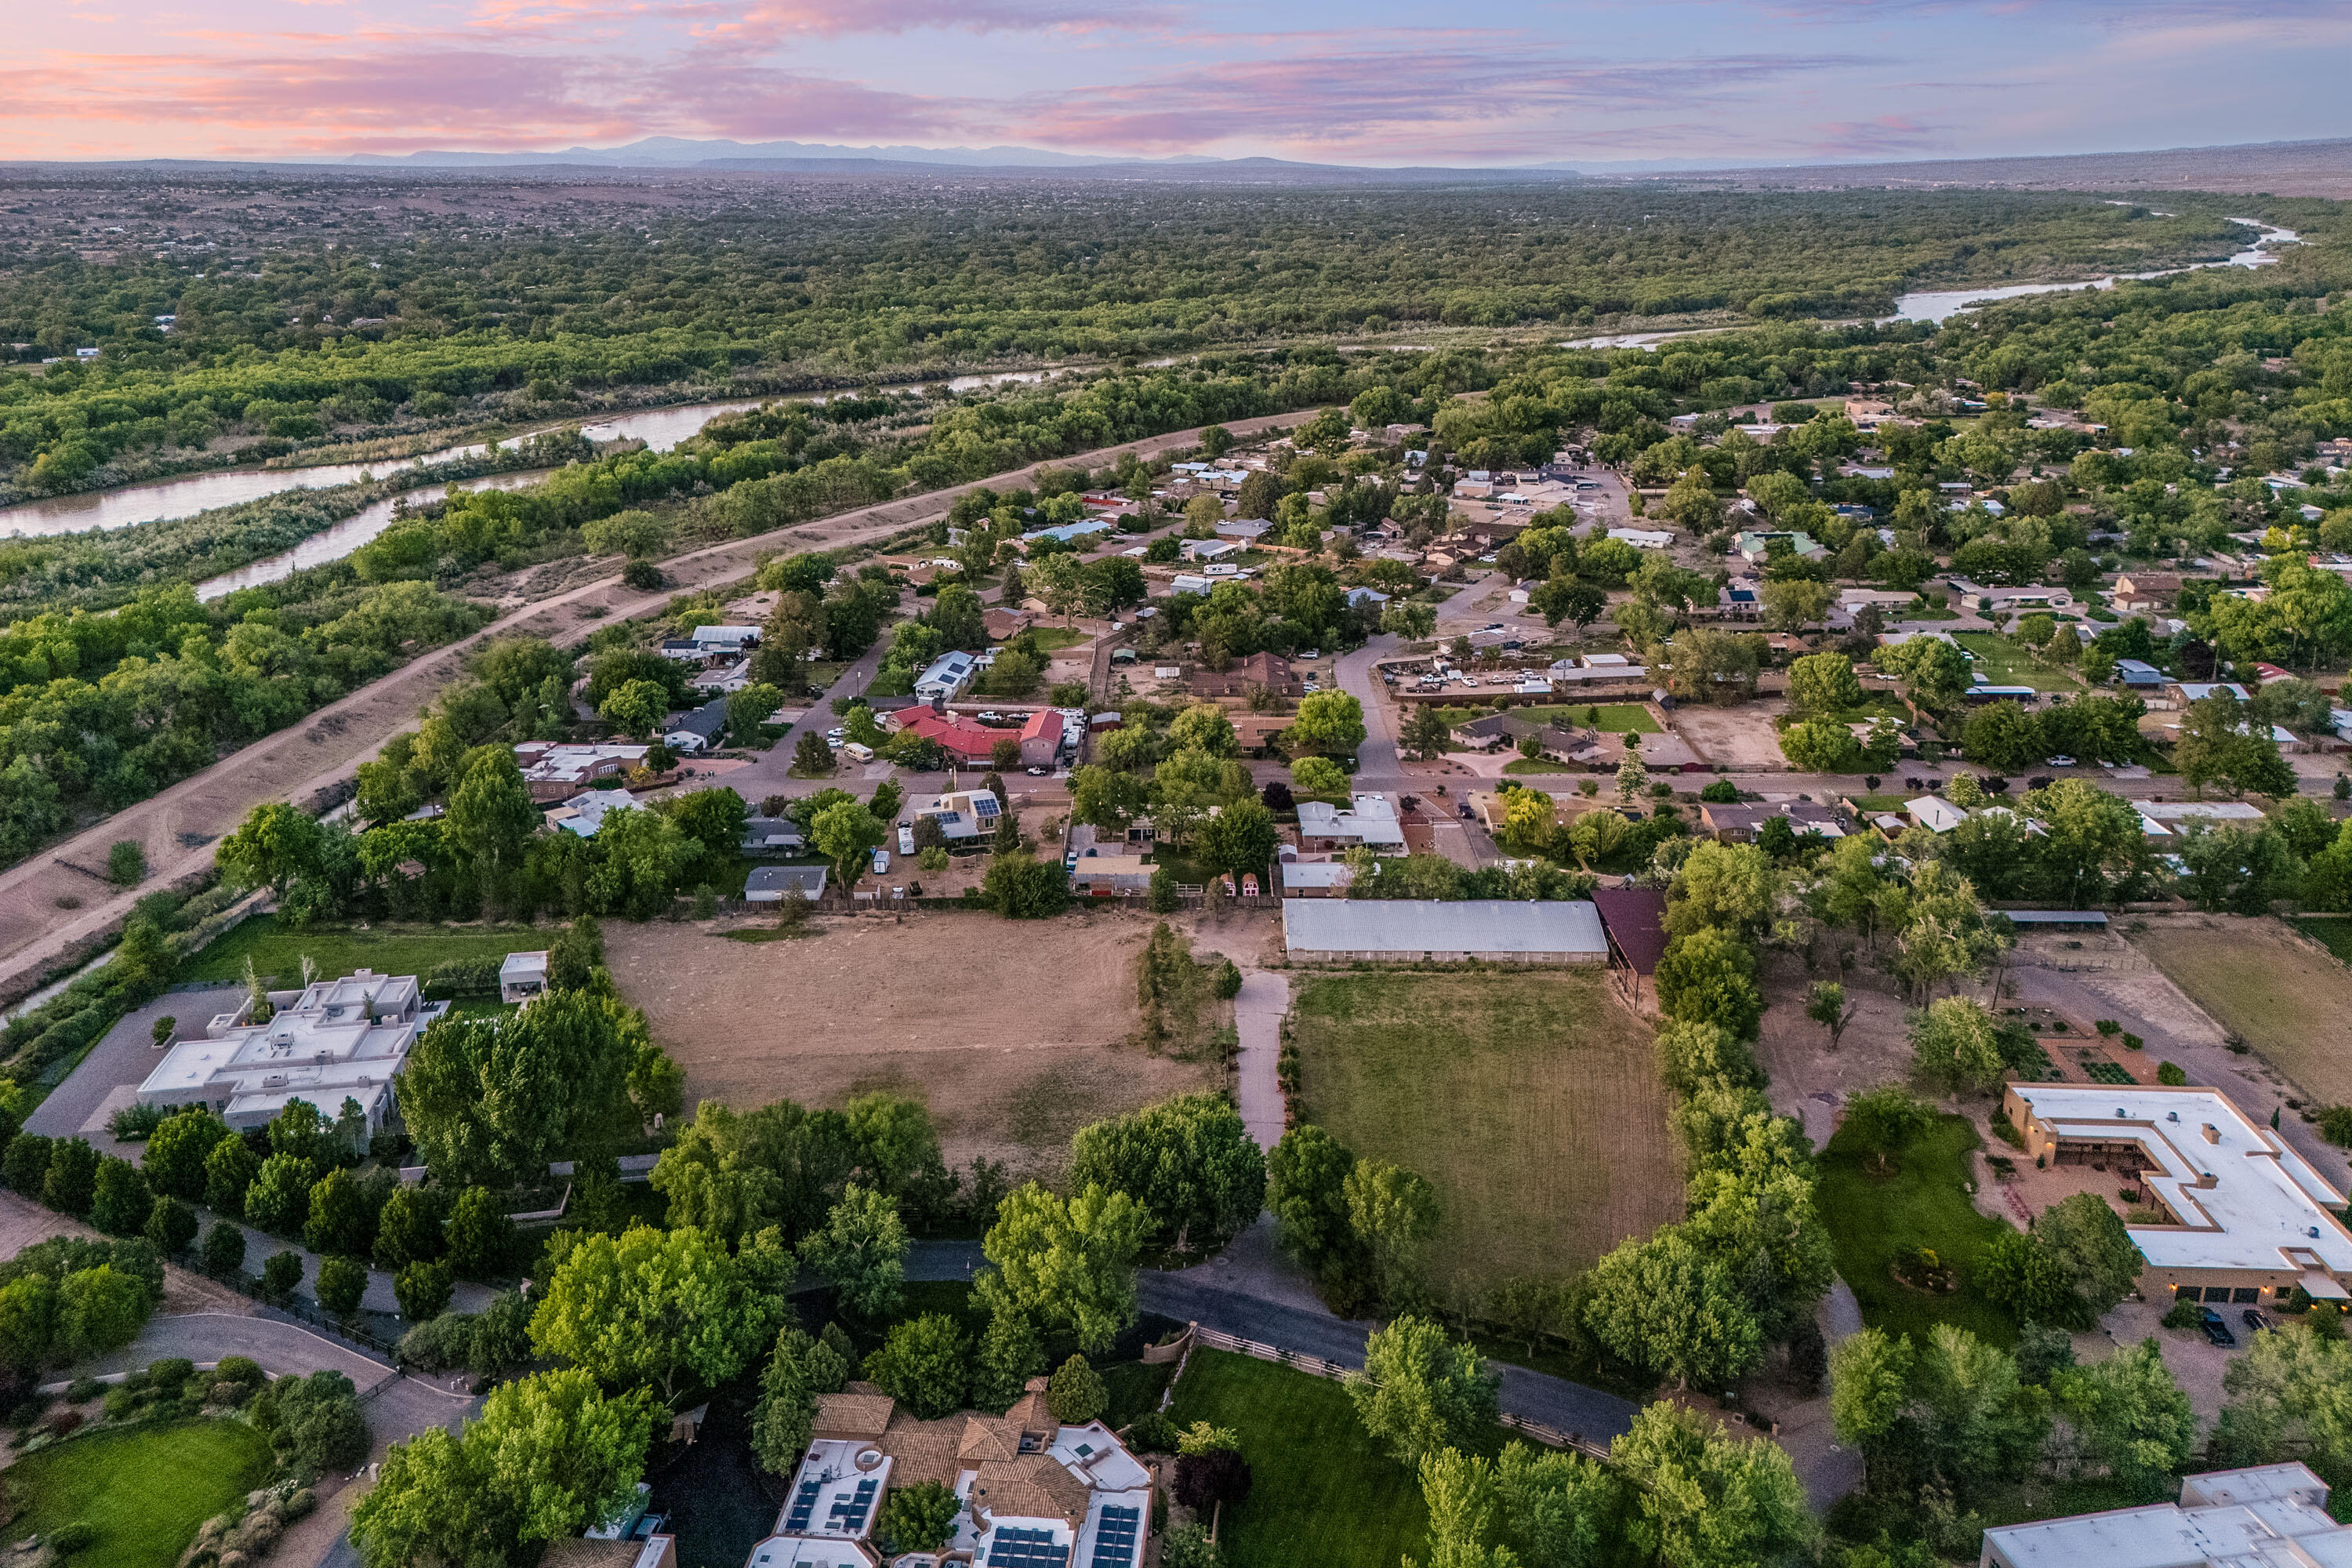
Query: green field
278, 953
2000, 662
1616, 718
1526, 765
1051, 638
1321, 1491
2335, 935
144, 1491
1530, 1100
1873, 1220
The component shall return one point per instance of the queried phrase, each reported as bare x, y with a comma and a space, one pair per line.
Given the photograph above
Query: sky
1367, 81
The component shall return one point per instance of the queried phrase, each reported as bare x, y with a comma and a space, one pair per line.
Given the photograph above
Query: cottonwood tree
1703, 1499
1066, 1262
1955, 1045
1667, 1304
1189, 1162
862, 1249
665, 1309
1422, 1390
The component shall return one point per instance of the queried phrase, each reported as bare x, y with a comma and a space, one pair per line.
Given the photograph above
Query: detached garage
1401, 931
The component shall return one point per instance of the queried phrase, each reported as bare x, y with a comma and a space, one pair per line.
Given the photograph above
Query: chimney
2213, 1133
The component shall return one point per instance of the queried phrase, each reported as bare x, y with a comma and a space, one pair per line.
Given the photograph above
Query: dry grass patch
1014, 1033
2281, 994
1531, 1101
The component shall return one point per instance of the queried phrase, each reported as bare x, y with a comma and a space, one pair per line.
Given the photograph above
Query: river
659, 428
1938, 305
159, 499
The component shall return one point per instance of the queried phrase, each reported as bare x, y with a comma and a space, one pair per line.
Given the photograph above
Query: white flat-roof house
332, 1040
2266, 1516
1368, 819
2249, 1218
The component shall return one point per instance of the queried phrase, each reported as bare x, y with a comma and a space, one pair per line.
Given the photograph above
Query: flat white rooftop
2245, 1198
1430, 925
2211, 1525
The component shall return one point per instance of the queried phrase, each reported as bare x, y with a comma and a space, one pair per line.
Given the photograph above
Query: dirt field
2282, 992
1530, 1101
1013, 1033
1739, 737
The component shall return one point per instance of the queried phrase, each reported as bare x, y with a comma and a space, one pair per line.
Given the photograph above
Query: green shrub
2170, 1074
2184, 1314
2108, 1027
439, 1345
83, 1389
224, 1248
2335, 1125
1153, 1432
281, 1275
460, 978
2133, 1042
126, 863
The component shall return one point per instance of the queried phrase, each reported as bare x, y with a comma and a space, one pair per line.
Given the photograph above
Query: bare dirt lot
2281, 992
1013, 1034
1740, 738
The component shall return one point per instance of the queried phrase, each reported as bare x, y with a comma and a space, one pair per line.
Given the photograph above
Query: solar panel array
853, 1516
1115, 1537
803, 1506
1028, 1549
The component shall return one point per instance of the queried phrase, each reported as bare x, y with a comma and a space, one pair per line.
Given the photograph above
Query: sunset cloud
1369, 81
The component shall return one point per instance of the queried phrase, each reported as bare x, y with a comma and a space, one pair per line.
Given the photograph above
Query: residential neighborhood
1723, 949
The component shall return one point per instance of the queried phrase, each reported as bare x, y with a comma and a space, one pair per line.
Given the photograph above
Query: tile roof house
1035, 1493
1270, 670
964, 739
1041, 739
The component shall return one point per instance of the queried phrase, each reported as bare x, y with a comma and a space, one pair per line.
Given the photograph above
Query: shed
1344, 930
1633, 920
523, 976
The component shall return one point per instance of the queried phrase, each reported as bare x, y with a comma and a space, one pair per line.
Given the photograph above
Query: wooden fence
1316, 1366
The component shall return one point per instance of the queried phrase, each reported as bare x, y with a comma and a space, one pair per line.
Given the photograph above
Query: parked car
2256, 1320
1070, 861
1312, 653
1038, 773
2061, 762
2216, 1331
835, 736
906, 839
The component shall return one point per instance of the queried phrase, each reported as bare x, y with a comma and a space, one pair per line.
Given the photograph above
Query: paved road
1191, 1297
179, 825
1204, 1296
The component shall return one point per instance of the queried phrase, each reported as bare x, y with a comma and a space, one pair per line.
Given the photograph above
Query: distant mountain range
677, 152
2284, 168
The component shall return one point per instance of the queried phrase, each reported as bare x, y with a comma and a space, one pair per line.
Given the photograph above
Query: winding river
1939, 304
159, 499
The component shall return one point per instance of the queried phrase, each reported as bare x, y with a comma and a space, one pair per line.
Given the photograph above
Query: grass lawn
1321, 1492
1878, 705
340, 949
2335, 935
1530, 1100
144, 1491
1616, 718
1051, 638
1873, 1219
1539, 765
1877, 803
2001, 662
2292, 1005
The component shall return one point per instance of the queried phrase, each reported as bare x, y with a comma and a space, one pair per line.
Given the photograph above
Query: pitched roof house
1270, 670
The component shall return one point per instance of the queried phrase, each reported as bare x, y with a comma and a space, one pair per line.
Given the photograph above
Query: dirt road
178, 827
